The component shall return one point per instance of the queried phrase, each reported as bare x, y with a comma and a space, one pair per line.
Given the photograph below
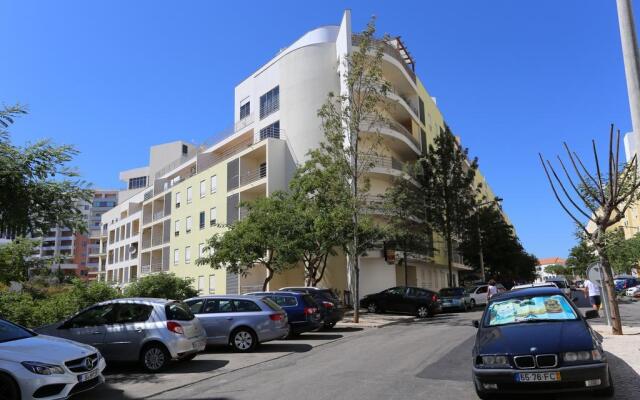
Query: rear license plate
538, 377
88, 376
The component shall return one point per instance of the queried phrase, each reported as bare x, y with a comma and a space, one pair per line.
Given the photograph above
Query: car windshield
9, 332
619, 281
530, 309
451, 292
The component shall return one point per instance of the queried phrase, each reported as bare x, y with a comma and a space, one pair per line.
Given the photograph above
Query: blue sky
512, 78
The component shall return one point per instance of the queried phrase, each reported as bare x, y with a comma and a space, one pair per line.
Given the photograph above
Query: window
139, 182
195, 305
214, 184
178, 198
185, 149
200, 284
270, 131
245, 110
218, 306
189, 195
246, 306
128, 313
201, 219
534, 308
203, 188
212, 284
284, 301
421, 111
201, 250
270, 102
178, 311
188, 224
177, 228
187, 255
213, 216
176, 256
117, 235
128, 230
99, 315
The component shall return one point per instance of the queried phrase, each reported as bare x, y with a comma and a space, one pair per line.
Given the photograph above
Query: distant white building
541, 273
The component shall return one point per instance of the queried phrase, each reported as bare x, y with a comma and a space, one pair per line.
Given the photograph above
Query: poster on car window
534, 308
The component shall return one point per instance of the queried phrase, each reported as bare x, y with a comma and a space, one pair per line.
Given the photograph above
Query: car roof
284, 289
275, 292
225, 296
145, 300
535, 284
529, 291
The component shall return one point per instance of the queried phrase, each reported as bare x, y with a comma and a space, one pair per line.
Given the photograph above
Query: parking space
127, 381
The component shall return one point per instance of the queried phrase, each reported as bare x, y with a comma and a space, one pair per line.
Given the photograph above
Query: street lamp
496, 200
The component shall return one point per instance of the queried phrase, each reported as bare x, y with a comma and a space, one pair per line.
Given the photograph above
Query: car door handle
139, 330
96, 333
230, 319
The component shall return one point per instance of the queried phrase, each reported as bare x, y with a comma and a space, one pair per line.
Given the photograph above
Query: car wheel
423, 312
472, 305
8, 388
243, 340
329, 325
155, 357
373, 307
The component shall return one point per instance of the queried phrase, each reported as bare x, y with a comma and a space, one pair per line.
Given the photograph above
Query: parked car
456, 298
633, 291
478, 293
624, 282
410, 300
302, 310
331, 308
151, 331
535, 340
240, 321
535, 284
38, 366
562, 284
579, 284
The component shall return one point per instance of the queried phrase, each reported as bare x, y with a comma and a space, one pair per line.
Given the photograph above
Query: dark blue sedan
535, 340
302, 310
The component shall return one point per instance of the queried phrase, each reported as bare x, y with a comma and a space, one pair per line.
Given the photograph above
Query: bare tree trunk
609, 286
265, 285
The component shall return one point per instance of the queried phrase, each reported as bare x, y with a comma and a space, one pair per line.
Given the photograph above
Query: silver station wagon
240, 321
151, 331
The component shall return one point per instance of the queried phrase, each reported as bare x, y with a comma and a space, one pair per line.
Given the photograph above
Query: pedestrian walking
492, 290
592, 292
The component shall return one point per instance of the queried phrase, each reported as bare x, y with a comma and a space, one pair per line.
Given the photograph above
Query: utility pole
631, 63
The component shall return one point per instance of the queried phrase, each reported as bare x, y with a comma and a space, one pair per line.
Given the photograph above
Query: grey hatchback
152, 331
240, 321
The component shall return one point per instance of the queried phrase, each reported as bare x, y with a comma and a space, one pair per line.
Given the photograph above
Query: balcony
370, 124
158, 215
152, 268
253, 175
244, 122
396, 50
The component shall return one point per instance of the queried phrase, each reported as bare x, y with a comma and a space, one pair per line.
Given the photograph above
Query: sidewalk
626, 347
368, 320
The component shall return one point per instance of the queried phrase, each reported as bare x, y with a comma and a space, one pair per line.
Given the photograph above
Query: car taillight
175, 327
276, 317
434, 298
310, 310
327, 304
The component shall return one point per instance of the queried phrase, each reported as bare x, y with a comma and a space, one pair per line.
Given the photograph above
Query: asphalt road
426, 359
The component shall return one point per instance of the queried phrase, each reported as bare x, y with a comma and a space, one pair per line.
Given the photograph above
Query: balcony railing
151, 268
369, 123
158, 215
244, 122
253, 175
382, 162
269, 132
390, 50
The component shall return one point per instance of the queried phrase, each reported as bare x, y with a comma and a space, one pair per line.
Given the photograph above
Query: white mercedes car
42, 367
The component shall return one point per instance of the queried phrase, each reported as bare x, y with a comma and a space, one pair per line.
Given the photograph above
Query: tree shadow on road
344, 329
284, 348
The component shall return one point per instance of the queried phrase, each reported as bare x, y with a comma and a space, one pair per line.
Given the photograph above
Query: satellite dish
133, 250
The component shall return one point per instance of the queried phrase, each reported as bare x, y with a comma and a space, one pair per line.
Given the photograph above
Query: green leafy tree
447, 180
504, 257
623, 254
16, 260
581, 256
163, 285
556, 269
88, 293
407, 228
265, 236
346, 117
37, 188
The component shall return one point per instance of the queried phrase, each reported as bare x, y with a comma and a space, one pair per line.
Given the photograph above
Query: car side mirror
591, 314
475, 323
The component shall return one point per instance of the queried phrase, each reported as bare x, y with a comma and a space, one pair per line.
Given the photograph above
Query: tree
37, 190
162, 285
447, 180
407, 227
266, 236
556, 269
16, 260
581, 256
623, 254
602, 199
503, 254
346, 117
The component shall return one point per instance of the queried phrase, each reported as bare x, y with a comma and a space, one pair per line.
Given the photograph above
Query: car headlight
578, 356
495, 361
42, 368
